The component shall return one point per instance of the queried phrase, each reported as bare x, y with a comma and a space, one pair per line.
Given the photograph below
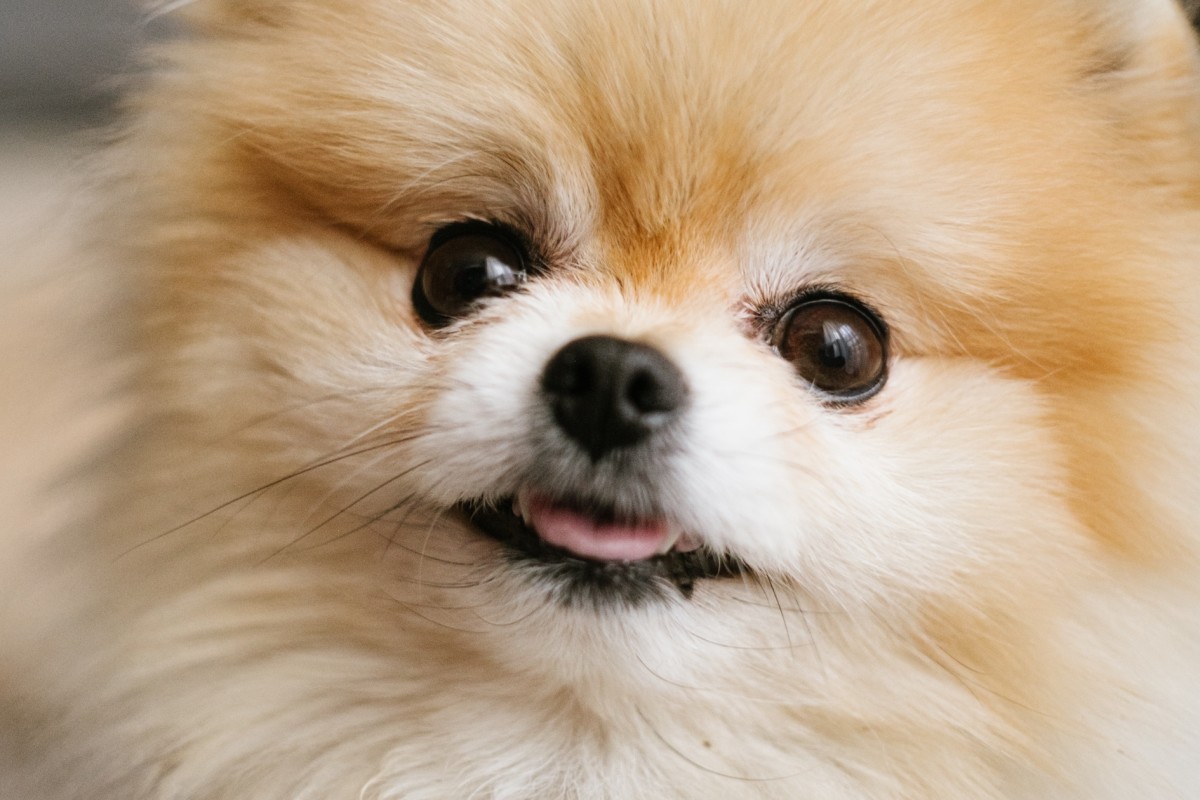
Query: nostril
654, 391
643, 392
607, 392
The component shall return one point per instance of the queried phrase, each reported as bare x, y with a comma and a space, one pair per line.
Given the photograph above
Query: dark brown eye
837, 345
464, 264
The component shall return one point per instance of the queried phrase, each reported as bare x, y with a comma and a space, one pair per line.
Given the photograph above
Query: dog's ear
1146, 72
1146, 55
1149, 37
220, 14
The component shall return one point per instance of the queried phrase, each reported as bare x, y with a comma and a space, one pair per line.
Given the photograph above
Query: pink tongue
584, 537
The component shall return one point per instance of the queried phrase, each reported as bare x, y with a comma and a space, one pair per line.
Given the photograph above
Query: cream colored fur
979, 584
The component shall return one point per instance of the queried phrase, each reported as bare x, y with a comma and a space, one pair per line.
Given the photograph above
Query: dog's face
600, 320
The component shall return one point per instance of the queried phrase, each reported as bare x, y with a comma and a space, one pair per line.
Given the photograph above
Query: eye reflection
835, 344
465, 264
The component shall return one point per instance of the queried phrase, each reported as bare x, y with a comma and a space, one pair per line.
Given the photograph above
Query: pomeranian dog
641, 399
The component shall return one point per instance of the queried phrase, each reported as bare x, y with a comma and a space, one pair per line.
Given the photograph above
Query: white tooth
521, 507
668, 542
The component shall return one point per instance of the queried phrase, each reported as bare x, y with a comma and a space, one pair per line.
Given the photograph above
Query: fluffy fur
974, 585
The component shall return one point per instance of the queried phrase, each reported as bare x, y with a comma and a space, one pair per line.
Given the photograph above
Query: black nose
608, 393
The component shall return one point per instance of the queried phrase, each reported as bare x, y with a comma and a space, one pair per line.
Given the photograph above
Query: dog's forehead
643, 116
670, 125
688, 132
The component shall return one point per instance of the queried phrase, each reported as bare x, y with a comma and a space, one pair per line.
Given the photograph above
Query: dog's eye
837, 345
464, 264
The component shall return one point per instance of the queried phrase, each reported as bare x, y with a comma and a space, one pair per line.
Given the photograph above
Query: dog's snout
608, 393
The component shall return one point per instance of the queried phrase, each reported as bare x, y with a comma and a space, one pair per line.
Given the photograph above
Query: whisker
782, 614
441, 624
421, 556
270, 485
727, 646
710, 770
393, 540
418, 581
510, 623
274, 415
352, 504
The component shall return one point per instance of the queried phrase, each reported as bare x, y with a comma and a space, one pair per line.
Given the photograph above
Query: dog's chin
581, 579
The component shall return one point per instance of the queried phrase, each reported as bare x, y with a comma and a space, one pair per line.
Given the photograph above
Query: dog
638, 399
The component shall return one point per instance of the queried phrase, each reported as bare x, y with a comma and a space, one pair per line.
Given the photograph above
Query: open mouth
588, 552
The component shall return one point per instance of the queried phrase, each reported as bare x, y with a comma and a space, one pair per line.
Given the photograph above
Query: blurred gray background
61, 68
59, 59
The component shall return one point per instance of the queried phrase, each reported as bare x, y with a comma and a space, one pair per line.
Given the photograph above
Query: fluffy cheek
947, 484
318, 324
